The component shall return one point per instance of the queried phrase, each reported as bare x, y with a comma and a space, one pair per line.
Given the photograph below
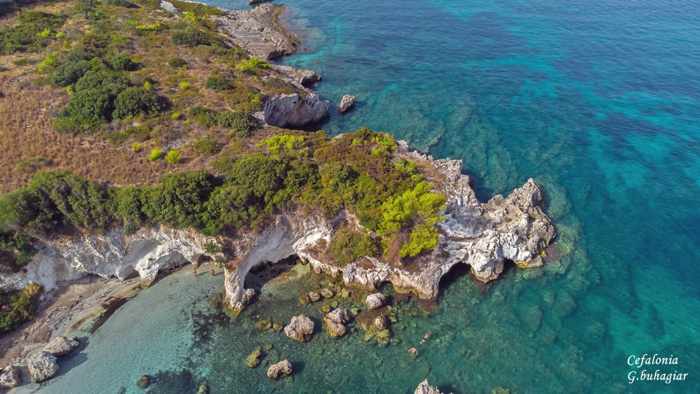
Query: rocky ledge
484, 236
259, 31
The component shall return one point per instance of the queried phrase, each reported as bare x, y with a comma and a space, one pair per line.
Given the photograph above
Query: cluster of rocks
39, 365
279, 370
335, 322
425, 388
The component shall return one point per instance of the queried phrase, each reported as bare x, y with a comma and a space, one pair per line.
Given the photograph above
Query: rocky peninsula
486, 236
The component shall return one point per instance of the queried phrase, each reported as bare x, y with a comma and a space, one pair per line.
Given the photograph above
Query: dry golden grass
29, 143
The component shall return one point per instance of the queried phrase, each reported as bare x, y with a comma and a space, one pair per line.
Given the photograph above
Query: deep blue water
599, 102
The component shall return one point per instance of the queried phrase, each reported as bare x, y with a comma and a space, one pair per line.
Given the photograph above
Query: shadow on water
266, 272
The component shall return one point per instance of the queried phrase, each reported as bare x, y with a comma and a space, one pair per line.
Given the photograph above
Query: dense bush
348, 245
252, 65
18, 307
54, 201
122, 62
206, 145
15, 250
136, 100
239, 122
32, 32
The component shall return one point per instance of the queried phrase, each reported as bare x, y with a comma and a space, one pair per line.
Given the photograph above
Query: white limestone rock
300, 328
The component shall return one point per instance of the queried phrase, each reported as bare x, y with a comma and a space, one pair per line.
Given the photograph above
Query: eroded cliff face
114, 254
482, 235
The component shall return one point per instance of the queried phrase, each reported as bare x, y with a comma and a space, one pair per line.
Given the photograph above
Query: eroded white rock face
110, 255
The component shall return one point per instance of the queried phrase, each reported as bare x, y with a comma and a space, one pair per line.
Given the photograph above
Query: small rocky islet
485, 236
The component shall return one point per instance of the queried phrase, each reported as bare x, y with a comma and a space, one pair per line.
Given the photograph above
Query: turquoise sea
598, 101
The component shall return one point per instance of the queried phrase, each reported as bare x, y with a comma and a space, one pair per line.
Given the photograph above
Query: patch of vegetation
135, 100
206, 145
348, 245
238, 122
32, 32
16, 250
252, 65
18, 307
177, 62
173, 156
219, 82
155, 154
191, 36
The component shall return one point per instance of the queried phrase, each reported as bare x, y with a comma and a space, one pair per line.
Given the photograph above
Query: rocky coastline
101, 271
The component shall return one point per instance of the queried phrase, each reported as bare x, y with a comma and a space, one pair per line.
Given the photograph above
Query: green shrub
135, 100
16, 250
155, 154
179, 200
348, 245
252, 65
238, 122
70, 71
173, 156
219, 82
122, 62
206, 145
18, 307
119, 3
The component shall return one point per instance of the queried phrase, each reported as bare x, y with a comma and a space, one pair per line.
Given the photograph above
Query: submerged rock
425, 388
346, 102
295, 111
280, 370
335, 322
300, 328
254, 358
60, 346
375, 300
381, 322
10, 377
41, 366
144, 381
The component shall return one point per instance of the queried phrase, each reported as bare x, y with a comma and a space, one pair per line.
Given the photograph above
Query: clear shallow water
598, 101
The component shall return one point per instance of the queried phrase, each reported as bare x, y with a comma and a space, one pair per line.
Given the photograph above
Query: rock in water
374, 301
60, 346
10, 377
335, 322
425, 388
41, 366
294, 111
300, 328
280, 370
346, 102
143, 382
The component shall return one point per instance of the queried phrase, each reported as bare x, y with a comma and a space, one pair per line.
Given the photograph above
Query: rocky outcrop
482, 235
280, 370
335, 322
114, 254
375, 300
10, 377
425, 388
41, 366
294, 111
299, 77
60, 346
346, 102
259, 31
300, 328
